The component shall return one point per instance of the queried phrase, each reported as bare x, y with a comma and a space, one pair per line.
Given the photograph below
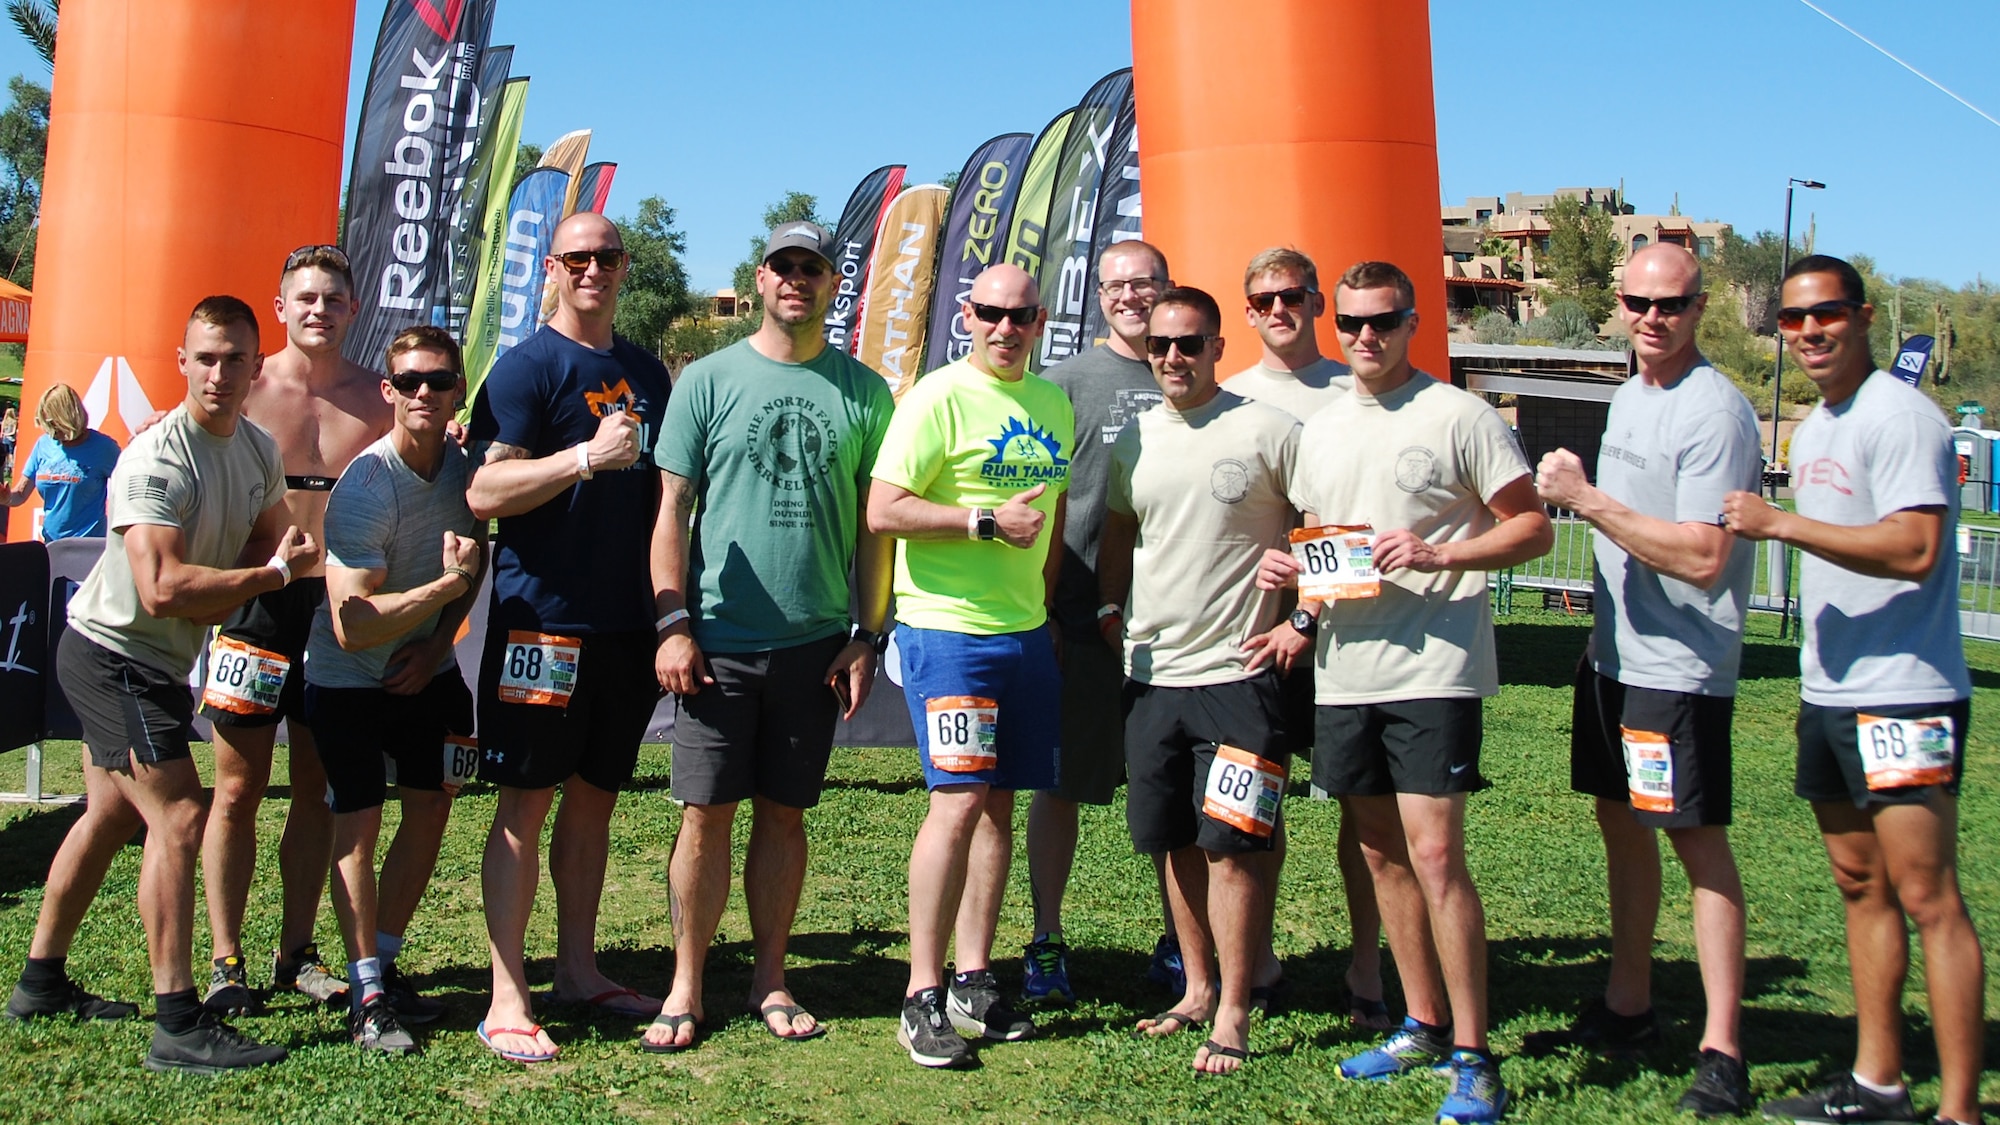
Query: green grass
1533, 851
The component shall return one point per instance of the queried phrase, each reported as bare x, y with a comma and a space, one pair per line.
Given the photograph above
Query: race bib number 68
244, 679
539, 668
1244, 791
1898, 753
961, 731
1336, 562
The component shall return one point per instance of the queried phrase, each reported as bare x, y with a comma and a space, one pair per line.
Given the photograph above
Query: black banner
975, 236
1067, 264
418, 108
25, 669
1117, 211
467, 178
854, 243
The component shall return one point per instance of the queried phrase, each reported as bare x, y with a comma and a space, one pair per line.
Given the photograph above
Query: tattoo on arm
487, 452
680, 493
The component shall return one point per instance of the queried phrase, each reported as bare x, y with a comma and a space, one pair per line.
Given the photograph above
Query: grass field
1533, 849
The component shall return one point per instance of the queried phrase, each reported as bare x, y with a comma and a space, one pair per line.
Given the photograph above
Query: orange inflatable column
1305, 123
192, 145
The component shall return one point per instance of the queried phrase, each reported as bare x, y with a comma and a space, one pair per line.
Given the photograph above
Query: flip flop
1369, 1013
1181, 1021
1240, 1054
790, 1012
486, 1037
602, 1002
673, 1024
1267, 998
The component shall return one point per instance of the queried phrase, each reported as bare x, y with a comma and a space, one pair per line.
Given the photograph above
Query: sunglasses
787, 268
1190, 346
1138, 286
318, 252
1668, 306
1826, 312
577, 261
1022, 317
1294, 298
408, 382
1382, 323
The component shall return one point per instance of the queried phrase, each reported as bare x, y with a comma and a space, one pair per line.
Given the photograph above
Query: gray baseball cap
801, 236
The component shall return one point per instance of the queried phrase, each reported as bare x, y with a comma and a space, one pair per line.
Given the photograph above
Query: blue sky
721, 109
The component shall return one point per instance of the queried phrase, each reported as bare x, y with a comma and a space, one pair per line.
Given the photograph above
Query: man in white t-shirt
1428, 492
1886, 694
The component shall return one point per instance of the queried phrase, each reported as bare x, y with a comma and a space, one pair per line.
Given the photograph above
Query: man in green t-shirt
971, 480
767, 448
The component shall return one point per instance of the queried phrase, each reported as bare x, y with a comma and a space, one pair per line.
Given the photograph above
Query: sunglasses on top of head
1190, 346
1023, 317
1668, 306
408, 382
1382, 323
1791, 318
577, 261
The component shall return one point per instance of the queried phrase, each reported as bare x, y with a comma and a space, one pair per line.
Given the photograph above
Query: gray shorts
1093, 722
764, 728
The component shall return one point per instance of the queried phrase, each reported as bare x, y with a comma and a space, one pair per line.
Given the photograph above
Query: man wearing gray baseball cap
765, 458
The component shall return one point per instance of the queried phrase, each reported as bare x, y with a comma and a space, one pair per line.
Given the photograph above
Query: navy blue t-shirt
579, 562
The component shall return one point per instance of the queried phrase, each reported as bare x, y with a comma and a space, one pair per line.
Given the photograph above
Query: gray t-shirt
1107, 391
382, 516
1673, 454
177, 475
1878, 640
1301, 394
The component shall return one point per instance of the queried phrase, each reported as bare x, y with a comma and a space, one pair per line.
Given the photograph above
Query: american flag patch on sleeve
143, 487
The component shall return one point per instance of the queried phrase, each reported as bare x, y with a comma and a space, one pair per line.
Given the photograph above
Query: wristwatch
988, 527
877, 641
1306, 623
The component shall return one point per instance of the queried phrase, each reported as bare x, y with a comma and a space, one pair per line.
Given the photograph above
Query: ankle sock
45, 974
177, 1012
1885, 1091
364, 981
387, 946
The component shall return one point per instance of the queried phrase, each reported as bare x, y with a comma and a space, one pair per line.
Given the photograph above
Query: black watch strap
877, 641
1305, 623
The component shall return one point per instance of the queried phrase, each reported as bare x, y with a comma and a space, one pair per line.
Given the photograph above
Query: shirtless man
323, 410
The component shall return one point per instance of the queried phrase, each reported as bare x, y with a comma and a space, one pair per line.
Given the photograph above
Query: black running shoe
411, 1006
213, 1047
1843, 1100
927, 1034
229, 989
71, 1000
304, 971
1598, 1030
1721, 1087
374, 1028
977, 1009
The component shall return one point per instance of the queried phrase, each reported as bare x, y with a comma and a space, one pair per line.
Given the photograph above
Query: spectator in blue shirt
69, 465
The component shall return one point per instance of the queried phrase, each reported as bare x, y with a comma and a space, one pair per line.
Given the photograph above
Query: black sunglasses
407, 382
1191, 346
318, 252
1022, 317
577, 261
1294, 298
1826, 312
1382, 323
1668, 306
788, 267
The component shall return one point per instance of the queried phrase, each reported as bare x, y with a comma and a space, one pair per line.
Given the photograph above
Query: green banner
1027, 235
482, 325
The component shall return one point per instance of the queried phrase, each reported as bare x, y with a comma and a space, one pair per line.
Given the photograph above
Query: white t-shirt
1302, 393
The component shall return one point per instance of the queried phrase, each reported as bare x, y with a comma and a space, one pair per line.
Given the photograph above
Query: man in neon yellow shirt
970, 481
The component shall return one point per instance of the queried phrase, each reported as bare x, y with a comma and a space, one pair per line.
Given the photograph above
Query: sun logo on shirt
1025, 455
612, 398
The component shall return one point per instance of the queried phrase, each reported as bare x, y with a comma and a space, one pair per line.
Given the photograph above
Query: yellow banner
895, 319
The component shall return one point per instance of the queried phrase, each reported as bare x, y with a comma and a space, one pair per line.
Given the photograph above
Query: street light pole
1778, 375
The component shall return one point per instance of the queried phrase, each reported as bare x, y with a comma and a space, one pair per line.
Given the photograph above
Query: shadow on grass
1534, 654
28, 844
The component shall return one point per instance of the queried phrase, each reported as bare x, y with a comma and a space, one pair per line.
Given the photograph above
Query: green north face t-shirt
777, 453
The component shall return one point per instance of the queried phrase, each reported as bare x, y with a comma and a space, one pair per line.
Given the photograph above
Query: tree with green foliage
526, 159
1752, 267
1566, 324
656, 289
36, 20
795, 207
1584, 251
24, 143
1494, 327
1505, 249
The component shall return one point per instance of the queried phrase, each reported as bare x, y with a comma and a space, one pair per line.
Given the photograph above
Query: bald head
585, 230
1666, 281
1664, 264
1005, 285
1001, 345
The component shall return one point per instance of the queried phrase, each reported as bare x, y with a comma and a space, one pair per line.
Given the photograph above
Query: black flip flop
1267, 998
1240, 1054
673, 1024
790, 1012
1181, 1019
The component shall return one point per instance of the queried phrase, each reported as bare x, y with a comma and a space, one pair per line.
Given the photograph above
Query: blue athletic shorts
987, 709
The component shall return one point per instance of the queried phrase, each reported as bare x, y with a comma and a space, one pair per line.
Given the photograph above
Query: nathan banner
593, 192
491, 183
896, 313
975, 236
532, 215
855, 237
1072, 225
466, 178
1117, 213
418, 106
568, 153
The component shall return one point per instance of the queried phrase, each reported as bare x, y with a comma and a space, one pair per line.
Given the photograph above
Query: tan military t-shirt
1301, 394
1428, 457
175, 475
1208, 488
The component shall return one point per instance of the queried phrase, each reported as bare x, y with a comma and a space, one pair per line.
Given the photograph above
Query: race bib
1898, 753
961, 732
1336, 562
1244, 791
244, 679
1649, 769
538, 668
461, 762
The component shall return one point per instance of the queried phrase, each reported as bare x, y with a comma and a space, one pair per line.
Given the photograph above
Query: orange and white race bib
461, 762
1649, 769
539, 668
1336, 562
244, 679
962, 729
1244, 791
1898, 753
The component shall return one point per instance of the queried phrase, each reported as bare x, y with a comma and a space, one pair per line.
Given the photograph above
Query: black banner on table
854, 245
1066, 264
25, 668
975, 236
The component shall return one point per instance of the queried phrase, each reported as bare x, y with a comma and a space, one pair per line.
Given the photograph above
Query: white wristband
670, 620
278, 564
972, 523
1109, 609
583, 460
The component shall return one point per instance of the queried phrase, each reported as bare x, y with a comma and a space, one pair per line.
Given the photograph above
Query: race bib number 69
539, 668
1336, 562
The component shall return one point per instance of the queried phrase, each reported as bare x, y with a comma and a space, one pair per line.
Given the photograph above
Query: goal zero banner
975, 236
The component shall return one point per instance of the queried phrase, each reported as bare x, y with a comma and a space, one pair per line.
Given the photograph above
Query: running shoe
1843, 1100
976, 1008
928, 1034
229, 989
70, 999
1477, 1096
411, 1007
212, 1047
1411, 1047
1045, 972
1166, 969
374, 1028
1599, 1030
1721, 1087
304, 971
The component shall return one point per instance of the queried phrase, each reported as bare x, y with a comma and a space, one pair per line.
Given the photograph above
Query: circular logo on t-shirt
790, 445
1416, 469
1229, 480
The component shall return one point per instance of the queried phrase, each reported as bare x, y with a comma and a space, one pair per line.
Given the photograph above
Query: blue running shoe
1166, 969
1477, 1096
1045, 972
1411, 1047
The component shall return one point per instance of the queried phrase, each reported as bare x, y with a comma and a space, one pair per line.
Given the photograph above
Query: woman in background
69, 466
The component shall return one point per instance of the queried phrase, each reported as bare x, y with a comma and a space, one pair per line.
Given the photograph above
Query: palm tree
36, 20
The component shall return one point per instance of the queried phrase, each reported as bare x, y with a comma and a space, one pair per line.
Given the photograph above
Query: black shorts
124, 705
356, 729
1093, 724
278, 622
1426, 746
1834, 765
1295, 698
1174, 742
1666, 753
764, 728
594, 736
